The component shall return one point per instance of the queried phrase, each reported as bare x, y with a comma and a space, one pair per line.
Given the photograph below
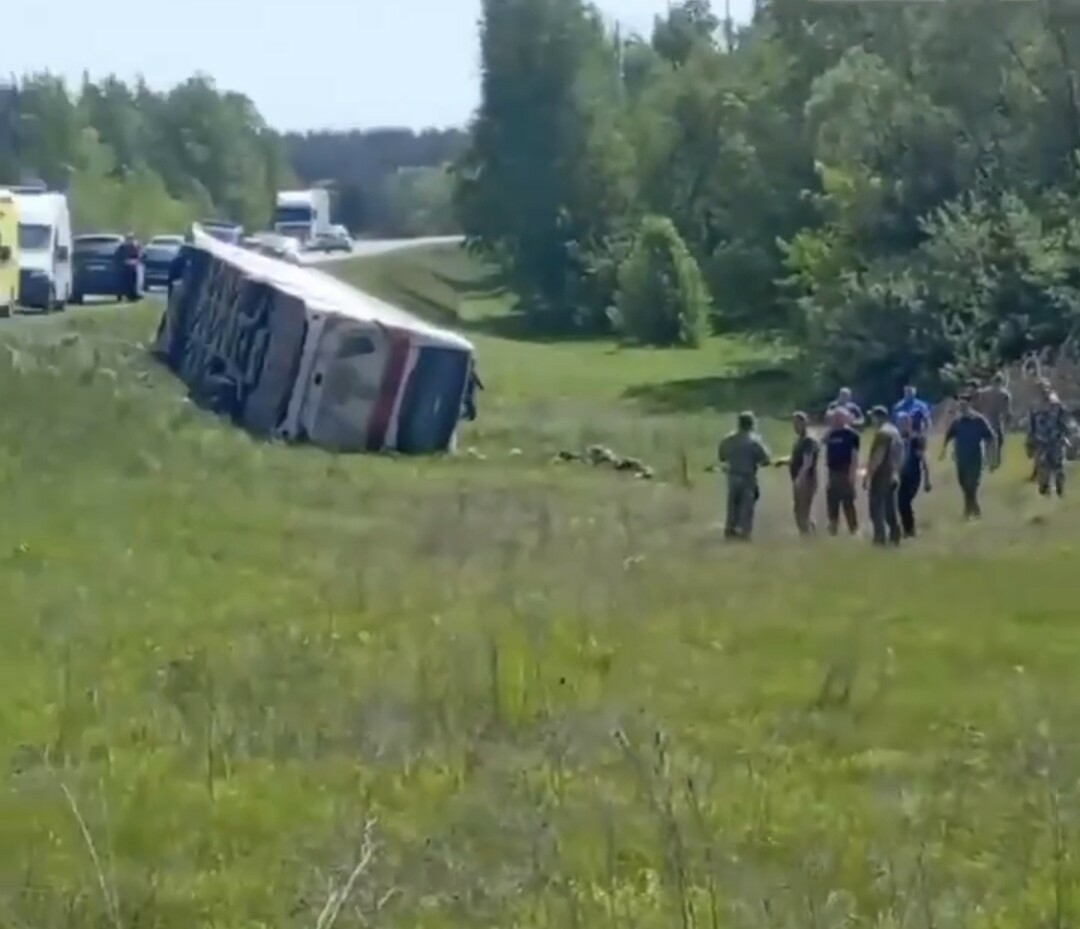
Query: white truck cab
44, 248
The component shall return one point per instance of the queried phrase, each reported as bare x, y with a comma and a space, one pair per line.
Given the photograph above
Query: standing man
914, 474
844, 401
973, 442
127, 258
742, 452
995, 403
841, 468
883, 477
802, 464
1047, 438
916, 409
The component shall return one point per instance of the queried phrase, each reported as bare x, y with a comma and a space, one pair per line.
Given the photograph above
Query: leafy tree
662, 298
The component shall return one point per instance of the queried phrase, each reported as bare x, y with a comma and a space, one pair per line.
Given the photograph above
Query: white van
44, 249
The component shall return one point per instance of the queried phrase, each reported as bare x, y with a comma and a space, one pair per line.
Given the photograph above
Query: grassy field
492, 691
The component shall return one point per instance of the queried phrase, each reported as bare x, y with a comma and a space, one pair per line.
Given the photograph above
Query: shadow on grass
767, 390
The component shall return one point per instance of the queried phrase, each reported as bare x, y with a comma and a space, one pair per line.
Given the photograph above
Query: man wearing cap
802, 464
916, 409
973, 441
742, 452
883, 477
1047, 438
841, 443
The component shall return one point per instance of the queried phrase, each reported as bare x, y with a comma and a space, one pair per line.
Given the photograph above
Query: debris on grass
602, 456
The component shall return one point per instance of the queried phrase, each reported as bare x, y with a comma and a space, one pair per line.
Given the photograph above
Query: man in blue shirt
913, 407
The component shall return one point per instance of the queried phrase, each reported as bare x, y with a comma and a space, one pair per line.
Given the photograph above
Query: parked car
337, 240
97, 270
158, 257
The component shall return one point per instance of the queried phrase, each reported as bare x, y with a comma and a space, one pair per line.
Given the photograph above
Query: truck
302, 214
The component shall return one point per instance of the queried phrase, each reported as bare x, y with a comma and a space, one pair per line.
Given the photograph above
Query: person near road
883, 477
802, 464
916, 409
846, 402
472, 385
914, 473
973, 440
1047, 440
742, 453
995, 403
841, 444
127, 258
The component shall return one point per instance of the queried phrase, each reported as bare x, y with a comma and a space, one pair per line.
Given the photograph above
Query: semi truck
302, 214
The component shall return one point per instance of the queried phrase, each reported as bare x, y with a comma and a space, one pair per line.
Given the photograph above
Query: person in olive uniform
914, 473
802, 464
973, 440
742, 453
883, 478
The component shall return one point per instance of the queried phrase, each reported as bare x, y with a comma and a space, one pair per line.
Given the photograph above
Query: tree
662, 297
547, 183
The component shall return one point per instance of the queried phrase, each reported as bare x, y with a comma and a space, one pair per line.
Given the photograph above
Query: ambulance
9, 252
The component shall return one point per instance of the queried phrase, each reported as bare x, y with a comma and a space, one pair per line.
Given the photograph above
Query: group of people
896, 468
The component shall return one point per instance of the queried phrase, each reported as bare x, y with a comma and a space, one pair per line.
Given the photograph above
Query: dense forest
893, 186
133, 158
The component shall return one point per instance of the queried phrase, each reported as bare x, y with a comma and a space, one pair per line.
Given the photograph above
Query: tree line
895, 187
133, 158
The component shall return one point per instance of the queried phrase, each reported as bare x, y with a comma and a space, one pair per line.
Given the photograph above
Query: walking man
742, 452
844, 401
841, 467
914, 474
916, 409
802, 465
883, 477
1047, 438
973, 443
995, 403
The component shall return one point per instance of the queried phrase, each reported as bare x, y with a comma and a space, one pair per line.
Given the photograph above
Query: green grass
547, 696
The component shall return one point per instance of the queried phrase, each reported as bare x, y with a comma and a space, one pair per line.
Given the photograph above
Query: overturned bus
292, 353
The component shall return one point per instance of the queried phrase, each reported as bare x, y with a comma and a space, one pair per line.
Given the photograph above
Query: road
366, 248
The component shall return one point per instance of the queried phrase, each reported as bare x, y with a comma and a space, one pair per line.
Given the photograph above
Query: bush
662, 297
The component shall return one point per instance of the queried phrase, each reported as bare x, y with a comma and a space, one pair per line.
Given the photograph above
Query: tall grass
247, 685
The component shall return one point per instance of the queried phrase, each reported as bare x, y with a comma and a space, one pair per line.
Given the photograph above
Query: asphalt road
366, 248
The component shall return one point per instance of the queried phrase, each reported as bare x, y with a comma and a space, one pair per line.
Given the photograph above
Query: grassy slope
560, 698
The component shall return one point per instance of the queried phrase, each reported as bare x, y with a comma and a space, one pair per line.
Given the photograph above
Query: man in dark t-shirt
802, 464
972, 437
841, 444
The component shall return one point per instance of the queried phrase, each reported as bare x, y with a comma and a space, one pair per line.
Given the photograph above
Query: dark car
158, 257
96, 268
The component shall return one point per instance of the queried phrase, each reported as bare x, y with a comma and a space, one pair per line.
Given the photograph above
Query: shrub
662, 297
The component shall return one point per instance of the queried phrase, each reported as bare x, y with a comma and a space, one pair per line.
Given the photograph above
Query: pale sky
307, 64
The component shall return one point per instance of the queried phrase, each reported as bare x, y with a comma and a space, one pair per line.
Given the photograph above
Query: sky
307, 64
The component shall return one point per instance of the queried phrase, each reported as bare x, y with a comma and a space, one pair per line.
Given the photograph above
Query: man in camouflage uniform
742, 452
1047, 438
